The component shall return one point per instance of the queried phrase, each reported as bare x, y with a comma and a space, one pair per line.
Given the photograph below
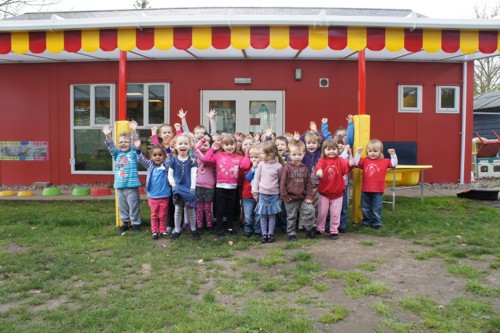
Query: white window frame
401, 107
456, 108
166, 111
92, 124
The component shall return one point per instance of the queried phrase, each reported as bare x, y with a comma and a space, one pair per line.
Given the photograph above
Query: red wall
36, 104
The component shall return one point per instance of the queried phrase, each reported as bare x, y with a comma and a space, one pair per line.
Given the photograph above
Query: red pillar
361, 82
122, 86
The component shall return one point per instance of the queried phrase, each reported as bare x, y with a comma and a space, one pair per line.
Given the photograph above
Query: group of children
296, 181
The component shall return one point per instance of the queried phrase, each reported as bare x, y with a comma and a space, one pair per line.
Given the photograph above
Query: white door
245, 111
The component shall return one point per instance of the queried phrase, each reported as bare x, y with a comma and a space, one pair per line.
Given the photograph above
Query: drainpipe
464, 121
122, 86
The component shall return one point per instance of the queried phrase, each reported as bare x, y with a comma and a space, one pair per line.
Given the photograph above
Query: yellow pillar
120, 127
361, 138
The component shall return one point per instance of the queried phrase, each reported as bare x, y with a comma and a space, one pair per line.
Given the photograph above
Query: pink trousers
335, 208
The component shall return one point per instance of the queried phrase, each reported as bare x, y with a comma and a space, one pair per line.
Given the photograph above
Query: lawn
434, 267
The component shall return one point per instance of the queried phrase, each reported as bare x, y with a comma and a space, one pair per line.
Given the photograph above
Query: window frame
401, 107
456, 108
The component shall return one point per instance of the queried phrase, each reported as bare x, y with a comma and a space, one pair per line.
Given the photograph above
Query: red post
122, 86
361, 82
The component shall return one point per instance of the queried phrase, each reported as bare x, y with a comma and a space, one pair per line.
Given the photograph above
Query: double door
245, 111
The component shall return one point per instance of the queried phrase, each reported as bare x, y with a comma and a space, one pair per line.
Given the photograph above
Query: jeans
371, 206
343, 213
252, 220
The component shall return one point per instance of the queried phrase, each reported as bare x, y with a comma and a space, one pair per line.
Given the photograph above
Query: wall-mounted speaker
324, 82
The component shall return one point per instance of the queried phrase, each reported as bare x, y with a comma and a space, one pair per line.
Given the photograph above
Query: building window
93, 105
410, 98
447, 99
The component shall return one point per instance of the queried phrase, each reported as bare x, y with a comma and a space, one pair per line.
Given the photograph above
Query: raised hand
182, 114
296, 135
324, 120
212, 113
360, 150
133, 125
313, 127
106, 130
256, 136
216, 145
137, 144
349, 118
269, 132
154, 130
177, 127
391, 151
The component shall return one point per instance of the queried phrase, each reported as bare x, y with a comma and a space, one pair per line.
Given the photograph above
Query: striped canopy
255, 37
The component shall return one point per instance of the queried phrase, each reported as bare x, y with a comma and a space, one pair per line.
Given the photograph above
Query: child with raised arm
126, 178
205, 184
296, 191
374, 167
182, 178
266, 189
199, 130
227, 165
157, 188
331, 170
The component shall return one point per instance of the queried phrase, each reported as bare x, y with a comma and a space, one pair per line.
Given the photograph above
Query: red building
259, 67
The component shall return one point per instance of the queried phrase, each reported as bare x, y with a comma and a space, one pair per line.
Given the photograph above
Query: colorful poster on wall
24, 150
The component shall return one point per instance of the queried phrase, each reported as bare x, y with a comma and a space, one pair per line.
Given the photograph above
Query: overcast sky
458, 9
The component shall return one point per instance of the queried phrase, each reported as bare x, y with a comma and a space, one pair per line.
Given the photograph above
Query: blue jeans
371, 206
343, 213
251, 223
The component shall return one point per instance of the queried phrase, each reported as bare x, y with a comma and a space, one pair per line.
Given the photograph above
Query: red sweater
332, 184
374, 172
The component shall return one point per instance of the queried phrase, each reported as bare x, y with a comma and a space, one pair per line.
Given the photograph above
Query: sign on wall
24, 150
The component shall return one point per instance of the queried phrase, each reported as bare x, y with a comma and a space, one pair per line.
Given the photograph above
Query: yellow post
361, 138
120, 127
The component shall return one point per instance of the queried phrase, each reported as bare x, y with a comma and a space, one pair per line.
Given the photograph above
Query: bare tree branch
10, 8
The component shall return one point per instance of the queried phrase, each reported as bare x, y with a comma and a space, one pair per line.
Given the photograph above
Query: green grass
64, 268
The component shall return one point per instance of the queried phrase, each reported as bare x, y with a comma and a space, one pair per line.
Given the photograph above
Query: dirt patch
395, 266
12, 248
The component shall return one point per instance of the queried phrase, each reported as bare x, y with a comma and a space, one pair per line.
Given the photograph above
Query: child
126, 178
312, 141
227, 165
266, 189
331, 170
182, 178
372, 189
205, 184
157, 187
344, 150
296, 191
199, 130
282, 144
251, 223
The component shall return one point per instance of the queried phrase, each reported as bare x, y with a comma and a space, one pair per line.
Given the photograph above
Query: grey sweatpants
306, 211
129, 205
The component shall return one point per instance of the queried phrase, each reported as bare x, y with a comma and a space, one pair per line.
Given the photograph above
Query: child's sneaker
292, 238
165, 234
263, 239
136, 227
155, 236
232, 232
377, 226
123, 228
175, 236
334, 236
196, 235
270, 239
310, 235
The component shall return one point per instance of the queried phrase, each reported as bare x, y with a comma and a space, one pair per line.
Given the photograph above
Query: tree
142, 4
10, 8
487, 70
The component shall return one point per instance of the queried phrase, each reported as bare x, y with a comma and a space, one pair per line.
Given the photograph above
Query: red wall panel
38, 108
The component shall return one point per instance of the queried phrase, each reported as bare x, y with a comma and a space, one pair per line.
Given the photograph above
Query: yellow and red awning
257, 37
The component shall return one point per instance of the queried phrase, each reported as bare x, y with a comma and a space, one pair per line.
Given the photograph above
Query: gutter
57, 23
464, 122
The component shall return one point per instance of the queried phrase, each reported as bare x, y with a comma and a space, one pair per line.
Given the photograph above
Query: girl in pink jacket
227, 165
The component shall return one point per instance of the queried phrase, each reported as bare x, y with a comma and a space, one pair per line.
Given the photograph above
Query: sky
448, 9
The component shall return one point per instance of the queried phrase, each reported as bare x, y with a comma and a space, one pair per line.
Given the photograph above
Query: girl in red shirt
331, 169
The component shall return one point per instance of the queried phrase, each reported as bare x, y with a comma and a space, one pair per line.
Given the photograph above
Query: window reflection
226, 115
262, 116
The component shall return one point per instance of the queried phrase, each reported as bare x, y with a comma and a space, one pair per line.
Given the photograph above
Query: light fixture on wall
298, 74
243, 80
